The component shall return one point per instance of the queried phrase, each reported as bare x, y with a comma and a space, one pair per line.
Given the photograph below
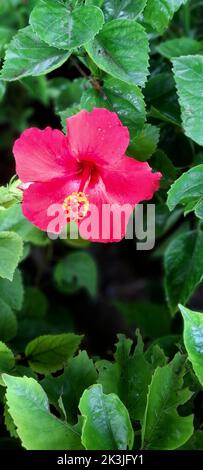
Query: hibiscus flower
86, 169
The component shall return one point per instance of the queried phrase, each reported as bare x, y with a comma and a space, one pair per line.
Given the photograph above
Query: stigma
76, 206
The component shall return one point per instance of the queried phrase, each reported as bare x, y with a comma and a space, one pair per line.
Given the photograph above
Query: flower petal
40, 197
42, 155
97, 136
113, 197
130, 181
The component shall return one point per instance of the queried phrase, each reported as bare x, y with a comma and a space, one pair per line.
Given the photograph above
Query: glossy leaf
106, 423
193, 339
59, 26
183, 263
28, 55
187, 72
78, 375
145, 142
125, 9
121, 49
158, 13
128, 377
49, 353
163, 428
179, 47
11, 249
188, 189
7, 360
37, 428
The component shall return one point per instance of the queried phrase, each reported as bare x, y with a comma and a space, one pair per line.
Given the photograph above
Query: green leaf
161, 98
7, 360
2, 89
163, 428
28, 55
121, 49
12, 292
8, 322
78, 375
35, 303
60, 27
158, 13
49, 353
187, 189
8, 421
161, 162
66, 113
128, 377
66, 93
37, 428
193, 339
106, 424
11, 249
5, 36
76, 271
126, 100
125, 9
183, 262
153, 320
195, 442
13, 218
179, 47
145, 142
187, 72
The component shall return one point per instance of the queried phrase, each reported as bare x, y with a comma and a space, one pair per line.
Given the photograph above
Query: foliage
63, 383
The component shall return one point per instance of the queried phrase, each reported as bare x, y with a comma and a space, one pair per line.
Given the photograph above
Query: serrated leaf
106, 423
11, 292
126, 100
179, 47
158, 13
128, 377
187, 72
76, 271
183, 262
28, 55
163, 428
59, 26
37, 428
8, 322
8, 421
125, 9
49, 353
121, 49
193, 339
145, 142
188, 189
11, 249
5, 36
78, 375
7, 360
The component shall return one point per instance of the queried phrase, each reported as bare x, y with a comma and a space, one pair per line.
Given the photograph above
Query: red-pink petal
130, 181
125, 184
42, 155
40, 196
97, 136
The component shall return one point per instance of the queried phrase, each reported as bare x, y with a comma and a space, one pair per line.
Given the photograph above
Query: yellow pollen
76, 205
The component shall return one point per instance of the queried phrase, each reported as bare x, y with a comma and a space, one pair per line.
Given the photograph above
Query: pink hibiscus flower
87, 168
